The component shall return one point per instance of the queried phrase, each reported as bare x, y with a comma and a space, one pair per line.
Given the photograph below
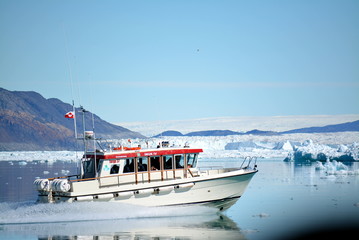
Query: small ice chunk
65, 172
319, 166
262, 215
342, 148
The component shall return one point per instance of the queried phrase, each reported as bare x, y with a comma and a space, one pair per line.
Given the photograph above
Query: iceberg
287, 146
335, 168
310, 151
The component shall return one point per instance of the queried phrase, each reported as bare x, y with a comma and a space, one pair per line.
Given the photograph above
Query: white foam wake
25, 212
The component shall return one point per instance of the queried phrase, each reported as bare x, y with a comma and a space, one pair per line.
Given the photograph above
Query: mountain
238, 123
169, 133
260, 132
213, 133
343, 127
28, 121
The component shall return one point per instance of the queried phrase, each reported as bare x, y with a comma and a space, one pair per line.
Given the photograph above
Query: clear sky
171, 60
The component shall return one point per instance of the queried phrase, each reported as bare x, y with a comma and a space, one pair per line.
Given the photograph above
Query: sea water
284, 200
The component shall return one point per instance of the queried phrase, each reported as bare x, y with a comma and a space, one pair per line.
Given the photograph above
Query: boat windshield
88, 168
192, 160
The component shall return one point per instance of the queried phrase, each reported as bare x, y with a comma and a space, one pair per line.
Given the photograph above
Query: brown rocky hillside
28, 121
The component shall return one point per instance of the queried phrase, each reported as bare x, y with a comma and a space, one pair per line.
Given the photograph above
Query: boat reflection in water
212, 226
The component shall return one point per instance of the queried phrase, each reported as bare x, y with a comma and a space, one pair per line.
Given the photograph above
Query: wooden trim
135, 173
190, 172
174, 166
136, 169
161, 167
149, 168
185, 165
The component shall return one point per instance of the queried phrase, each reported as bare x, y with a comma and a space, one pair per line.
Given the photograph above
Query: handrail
245, 161
62, 177
131, 173
250, 159
210, 167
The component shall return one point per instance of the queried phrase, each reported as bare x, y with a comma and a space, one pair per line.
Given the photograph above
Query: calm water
283, 201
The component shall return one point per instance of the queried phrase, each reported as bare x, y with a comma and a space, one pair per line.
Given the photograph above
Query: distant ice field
240, 124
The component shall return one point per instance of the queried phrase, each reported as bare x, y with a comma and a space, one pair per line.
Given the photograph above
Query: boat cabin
136, 165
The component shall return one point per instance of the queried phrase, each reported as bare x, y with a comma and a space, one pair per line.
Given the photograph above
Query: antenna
72, 95
93, 129
68, 64
84, 126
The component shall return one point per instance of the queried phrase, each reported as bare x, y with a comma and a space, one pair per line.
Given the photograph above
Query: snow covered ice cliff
321, 147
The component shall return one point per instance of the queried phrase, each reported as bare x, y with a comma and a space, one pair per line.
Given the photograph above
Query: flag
70, 115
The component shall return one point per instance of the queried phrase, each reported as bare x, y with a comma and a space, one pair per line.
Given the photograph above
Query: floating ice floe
310, 151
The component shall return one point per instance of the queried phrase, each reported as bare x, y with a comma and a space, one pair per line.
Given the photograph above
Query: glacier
289, 147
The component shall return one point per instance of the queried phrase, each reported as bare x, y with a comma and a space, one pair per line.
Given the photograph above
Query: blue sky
172, 60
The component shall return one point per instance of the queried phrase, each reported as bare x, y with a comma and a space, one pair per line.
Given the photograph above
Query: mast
74, 111
94, 141
83, 127
89, 136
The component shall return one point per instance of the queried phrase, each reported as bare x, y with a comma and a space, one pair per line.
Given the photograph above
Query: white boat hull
220, 190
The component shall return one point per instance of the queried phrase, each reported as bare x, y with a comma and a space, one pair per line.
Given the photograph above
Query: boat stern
47, 188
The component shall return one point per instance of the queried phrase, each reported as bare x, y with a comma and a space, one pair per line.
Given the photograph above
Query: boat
163, 175
149, 177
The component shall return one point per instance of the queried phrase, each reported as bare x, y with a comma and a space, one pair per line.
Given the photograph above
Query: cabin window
168, 161
115, 169
191, 160
179, 161
142, 164
129, 165
155, 163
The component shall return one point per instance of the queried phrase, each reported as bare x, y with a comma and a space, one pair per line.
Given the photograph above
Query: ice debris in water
28, 156
65, 172
262, 215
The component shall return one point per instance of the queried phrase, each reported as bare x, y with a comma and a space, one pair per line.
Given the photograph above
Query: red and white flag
70, 115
